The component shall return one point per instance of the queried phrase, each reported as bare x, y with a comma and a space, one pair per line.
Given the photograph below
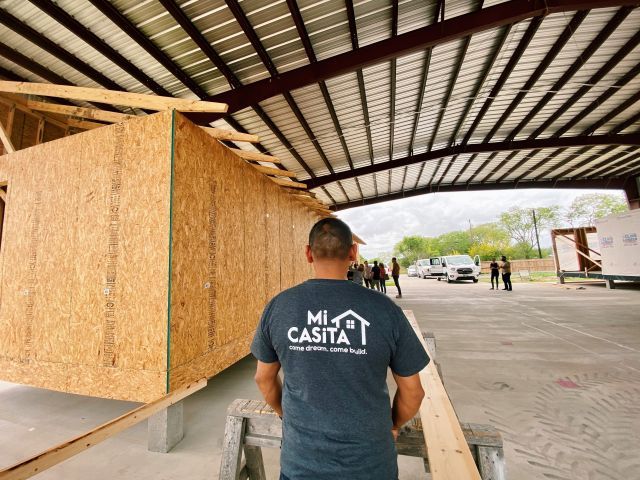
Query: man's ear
307, 252
353, 252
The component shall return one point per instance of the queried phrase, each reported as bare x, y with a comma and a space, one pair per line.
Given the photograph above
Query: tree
585, 209
452, 243
410, 249
518, 222
489, 240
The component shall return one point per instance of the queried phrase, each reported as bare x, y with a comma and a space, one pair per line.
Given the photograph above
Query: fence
532, 264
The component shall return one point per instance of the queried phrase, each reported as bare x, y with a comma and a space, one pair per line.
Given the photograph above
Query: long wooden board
5, 140
60, 453
139, 100
447, 449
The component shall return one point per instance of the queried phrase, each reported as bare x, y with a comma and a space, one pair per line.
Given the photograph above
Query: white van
457, 267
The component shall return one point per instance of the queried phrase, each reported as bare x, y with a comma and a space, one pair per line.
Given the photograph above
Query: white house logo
337, 335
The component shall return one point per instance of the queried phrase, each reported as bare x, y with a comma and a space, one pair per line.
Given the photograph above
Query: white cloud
383, 225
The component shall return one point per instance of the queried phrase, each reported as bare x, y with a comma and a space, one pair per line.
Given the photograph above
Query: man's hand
407, 400
269, 384
394, 432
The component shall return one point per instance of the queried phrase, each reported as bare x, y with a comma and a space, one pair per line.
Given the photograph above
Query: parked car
412, 271
457, 267
422, 268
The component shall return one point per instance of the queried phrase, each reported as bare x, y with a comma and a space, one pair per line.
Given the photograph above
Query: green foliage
585, 209
412, 248
518, 223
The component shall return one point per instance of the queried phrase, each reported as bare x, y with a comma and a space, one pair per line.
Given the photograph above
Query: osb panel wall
84, 262
227, 264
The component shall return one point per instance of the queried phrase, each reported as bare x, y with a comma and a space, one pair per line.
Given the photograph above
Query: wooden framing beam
232, 136
288, 183
83, 124
70, 110
447, 448
62, 452
139, 100
255, 156
6, 141
273, 171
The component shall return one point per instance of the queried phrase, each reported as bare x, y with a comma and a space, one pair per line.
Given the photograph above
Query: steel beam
122, 22
82, 32
601, 183
506, 13
595, 44
564, 142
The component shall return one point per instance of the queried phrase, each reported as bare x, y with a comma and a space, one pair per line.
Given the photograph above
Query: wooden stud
3, 195
130, 99
288, 183
40, 131
62, 452
73, 111
274, 171
257, 156
10, 117
448, 452
84, 125
6, 140
231, 135
230, 464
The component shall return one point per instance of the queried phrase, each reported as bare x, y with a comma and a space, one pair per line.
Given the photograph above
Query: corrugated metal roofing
431, 103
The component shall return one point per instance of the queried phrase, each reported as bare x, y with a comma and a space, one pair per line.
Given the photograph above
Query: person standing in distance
375, 275
367, 275
334, 342
506, 273
495, 273
395, 273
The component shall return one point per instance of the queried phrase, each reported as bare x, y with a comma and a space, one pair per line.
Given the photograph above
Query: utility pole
535, 226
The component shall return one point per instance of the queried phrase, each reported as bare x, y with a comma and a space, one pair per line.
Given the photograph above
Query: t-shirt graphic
335, 341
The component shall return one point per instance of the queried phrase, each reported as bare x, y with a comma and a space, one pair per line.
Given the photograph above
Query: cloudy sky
382, 225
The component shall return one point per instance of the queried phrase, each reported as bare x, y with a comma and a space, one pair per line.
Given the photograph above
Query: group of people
376, 275
505, 266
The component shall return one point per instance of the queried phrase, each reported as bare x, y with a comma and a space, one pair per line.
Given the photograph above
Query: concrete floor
556, 369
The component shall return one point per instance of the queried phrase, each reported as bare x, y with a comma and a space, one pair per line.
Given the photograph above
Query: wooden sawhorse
252, 425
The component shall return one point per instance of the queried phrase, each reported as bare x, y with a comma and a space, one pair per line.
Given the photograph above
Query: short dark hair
330, 238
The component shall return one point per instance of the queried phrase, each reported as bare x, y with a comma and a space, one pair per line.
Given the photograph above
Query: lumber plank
3, 195
89, 113
18, 102
288, 183
152, 102
274, 171
257, 156
59, 453
447, 450
222, 134
84, 124
6, 141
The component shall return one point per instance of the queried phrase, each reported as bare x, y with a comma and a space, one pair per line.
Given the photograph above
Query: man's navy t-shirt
335, 341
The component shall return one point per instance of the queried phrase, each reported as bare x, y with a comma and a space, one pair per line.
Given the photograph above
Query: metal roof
374, 99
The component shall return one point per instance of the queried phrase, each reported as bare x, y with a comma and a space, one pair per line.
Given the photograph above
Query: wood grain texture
447, 450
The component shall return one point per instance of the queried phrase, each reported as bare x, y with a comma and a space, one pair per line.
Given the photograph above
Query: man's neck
328, 270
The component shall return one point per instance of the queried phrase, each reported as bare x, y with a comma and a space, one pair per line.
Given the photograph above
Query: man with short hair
506, 274
395, 273
335, 342
367, 274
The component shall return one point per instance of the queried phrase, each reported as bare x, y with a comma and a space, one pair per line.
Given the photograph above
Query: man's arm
269, 384
407, 400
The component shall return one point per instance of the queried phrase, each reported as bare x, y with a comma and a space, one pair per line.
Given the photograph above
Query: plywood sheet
271, 274
85, 260
287, 240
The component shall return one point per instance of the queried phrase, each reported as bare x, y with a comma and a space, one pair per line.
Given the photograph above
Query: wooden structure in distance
447, 450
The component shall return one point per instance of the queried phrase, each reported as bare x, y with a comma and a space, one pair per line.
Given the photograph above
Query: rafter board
84, 124
222, 134
89, 113
130, 99
256, 156
274, 171
447, 449
20, 104
288, 183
